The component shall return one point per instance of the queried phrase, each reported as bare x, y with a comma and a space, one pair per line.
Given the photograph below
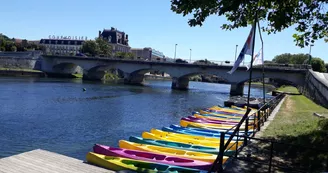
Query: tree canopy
97, 47
288, 58
309, 17
317, 63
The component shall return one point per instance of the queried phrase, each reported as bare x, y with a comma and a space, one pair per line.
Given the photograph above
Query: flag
257, 60
247, 50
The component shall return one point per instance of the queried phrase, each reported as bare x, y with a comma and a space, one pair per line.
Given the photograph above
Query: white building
62, 45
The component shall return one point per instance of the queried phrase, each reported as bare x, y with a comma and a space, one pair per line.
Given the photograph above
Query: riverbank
296, 124
21, 72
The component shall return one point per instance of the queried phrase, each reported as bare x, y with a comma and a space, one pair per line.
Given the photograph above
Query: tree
282, 59
120, 55
13, 48
288, 58
104, 48
91, 47
326, 67
318, 65
129, 55
309, 16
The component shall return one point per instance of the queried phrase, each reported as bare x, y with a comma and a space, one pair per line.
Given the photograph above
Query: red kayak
151, 157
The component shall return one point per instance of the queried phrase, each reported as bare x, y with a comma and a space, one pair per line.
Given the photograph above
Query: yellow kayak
217, 108
184, 123
171, 138
190, 138
170, 151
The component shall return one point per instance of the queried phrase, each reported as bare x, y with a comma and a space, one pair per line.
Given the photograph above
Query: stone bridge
134, 71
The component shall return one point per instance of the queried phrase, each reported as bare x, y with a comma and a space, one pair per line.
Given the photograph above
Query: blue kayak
202, 130
194, 132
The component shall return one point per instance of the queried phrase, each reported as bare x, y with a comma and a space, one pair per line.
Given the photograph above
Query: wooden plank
40, 161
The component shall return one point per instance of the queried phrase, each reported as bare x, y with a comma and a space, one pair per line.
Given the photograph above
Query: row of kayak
191, 146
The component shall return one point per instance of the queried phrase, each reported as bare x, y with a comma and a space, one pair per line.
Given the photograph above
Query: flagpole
263, 74
251, 67
248, 107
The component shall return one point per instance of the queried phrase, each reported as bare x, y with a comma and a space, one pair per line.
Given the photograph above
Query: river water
57, 115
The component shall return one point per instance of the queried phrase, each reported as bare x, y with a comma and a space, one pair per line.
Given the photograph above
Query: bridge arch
99, 72
66, 69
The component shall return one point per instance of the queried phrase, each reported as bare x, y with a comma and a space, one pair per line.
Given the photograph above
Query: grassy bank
19, 69
296, 124
288, 89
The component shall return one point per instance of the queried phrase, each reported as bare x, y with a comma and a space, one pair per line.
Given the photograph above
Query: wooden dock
41, 161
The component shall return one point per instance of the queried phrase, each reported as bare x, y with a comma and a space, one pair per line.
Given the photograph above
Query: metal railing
254, 122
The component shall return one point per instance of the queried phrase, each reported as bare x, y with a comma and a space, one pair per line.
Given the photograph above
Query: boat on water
207, 143
192, 138
177, 145
170, 151
125, 164
184, 123
212, 117
205, 130
150, 157
204, 120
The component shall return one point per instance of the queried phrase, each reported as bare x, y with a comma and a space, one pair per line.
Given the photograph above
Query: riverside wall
20, 60
316, 87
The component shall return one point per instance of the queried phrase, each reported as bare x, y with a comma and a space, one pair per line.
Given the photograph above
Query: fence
252, 125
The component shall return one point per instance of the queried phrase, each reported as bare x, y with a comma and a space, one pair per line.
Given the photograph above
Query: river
57, 115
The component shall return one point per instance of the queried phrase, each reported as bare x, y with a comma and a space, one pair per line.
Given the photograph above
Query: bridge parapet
180, 73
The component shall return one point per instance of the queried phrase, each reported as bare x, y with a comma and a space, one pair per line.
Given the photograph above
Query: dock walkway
42, 161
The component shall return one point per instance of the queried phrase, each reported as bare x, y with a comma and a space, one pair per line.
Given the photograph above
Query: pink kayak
197, 120
151, 157
211, 121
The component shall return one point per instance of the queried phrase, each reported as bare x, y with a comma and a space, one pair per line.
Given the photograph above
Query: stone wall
316, 87
20, 60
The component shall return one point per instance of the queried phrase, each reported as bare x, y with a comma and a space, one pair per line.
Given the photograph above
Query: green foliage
13, 48
309, 17
204, 62
288, 58
97, 47
124, 55
318, 65
104, 48
91, 47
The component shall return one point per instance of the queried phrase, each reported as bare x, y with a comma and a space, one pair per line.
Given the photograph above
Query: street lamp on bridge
175, 51
310, 57
190, 56
236, 52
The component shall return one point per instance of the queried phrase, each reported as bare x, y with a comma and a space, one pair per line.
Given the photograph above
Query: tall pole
247, 110
190, 56
310, 57
236, 52
263, 74
175, 51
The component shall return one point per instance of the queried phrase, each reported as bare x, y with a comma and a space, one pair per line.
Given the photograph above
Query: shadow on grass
308, 152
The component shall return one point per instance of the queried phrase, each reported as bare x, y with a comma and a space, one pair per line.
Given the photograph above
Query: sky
149, 23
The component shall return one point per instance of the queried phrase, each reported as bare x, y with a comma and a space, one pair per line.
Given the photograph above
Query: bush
181, 61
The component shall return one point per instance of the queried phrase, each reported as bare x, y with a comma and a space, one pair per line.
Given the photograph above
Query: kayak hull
150, 157
170, 151
120, 164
